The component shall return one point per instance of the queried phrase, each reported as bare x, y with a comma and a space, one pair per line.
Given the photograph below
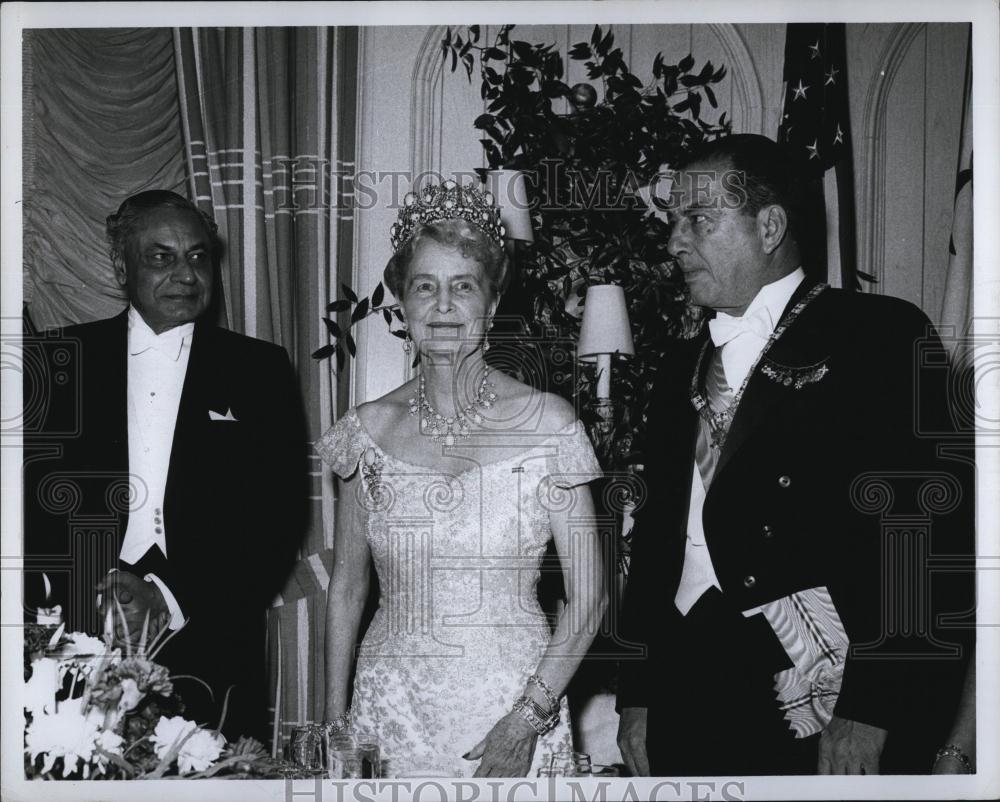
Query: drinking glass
367, 746
305, 747
371, 757
346, 763
571, 764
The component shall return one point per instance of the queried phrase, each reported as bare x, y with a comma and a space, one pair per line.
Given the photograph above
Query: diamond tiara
447, 201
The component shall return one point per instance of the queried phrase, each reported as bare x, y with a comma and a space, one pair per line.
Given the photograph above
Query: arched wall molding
873, 145
746, 80
425, 102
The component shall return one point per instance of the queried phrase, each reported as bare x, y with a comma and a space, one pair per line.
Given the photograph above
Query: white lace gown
459, 628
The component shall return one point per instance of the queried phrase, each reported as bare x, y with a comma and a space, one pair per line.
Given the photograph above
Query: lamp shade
511, 196
605, 328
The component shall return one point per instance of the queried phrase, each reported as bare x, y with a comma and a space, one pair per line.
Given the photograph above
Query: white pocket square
213, 415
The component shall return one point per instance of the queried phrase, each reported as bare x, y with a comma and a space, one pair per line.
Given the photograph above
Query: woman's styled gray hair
464, 237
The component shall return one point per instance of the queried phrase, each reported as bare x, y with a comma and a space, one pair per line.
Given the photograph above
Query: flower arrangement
97, 710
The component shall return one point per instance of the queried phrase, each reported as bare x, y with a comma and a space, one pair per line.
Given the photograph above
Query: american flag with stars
815, 125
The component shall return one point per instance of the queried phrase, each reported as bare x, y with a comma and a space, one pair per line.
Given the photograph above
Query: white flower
131, 696
111, 742
80, 654
40, 690
169, 730
198, 751
83, 644
67, 734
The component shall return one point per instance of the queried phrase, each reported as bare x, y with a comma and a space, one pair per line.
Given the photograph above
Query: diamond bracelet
540, 720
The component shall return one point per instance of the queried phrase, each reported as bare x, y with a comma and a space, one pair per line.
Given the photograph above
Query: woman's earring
407, 342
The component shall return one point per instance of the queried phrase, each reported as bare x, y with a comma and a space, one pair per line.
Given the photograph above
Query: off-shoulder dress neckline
567, 429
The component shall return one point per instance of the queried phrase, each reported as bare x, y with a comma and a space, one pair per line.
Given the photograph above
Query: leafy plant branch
343, 343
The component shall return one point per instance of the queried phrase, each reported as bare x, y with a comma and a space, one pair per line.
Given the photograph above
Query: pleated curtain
99, 124
268, 119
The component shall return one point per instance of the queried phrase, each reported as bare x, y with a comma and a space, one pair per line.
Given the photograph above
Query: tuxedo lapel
105, 410
197, 381
104, 407
189, 432
670, 447
762, 393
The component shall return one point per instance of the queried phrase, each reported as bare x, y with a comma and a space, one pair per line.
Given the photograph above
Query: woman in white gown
453, 484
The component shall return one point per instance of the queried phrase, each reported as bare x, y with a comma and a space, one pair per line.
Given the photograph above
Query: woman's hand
507, 750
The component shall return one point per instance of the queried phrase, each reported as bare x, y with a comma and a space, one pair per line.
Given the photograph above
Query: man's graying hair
122, 225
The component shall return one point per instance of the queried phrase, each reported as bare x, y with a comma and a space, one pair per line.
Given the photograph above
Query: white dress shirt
698, 573
157, 365
738, 355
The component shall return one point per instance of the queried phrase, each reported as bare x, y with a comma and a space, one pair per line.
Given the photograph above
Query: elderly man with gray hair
188, 460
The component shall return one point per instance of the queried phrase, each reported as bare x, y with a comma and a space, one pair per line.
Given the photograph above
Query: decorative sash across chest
719, 422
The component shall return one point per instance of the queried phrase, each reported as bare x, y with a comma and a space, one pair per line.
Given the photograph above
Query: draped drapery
268, 117
100, 123
219, 115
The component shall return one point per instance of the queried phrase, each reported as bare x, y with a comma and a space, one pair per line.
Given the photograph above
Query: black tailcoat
234, 509
821, 484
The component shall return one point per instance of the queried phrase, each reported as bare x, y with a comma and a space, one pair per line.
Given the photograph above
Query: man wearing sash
765, 587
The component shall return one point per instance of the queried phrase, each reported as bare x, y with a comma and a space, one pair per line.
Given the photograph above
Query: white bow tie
169, 343
724, 328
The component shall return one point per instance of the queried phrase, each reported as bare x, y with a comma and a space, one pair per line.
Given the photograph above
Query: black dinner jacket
799, 496
235, 502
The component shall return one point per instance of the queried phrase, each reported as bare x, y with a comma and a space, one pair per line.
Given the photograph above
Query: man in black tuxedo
169, 471
783, 443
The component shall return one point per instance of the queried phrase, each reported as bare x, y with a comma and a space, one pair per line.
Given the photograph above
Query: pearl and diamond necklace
442, 427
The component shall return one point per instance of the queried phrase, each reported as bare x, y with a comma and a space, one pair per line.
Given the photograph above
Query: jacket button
785, 481
749, 581
767, 531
